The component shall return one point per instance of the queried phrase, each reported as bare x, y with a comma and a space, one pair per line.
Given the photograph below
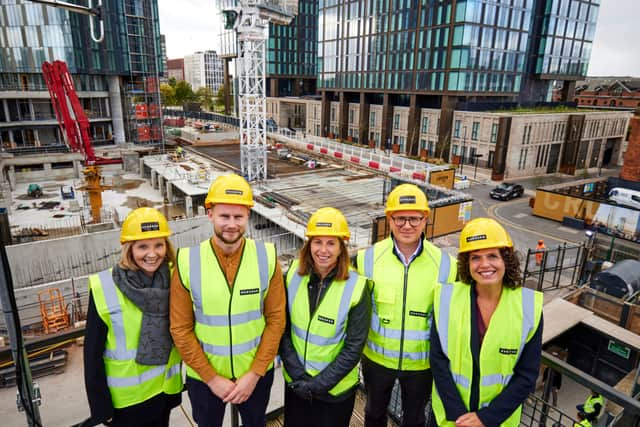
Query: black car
507, 191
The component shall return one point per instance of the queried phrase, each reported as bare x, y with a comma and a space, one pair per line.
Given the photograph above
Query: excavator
75, 128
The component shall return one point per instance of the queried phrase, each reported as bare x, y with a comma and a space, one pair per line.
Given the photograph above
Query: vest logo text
418, 314
249, 291
509, 351
326, 320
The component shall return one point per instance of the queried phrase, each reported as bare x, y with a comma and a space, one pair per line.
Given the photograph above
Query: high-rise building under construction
116, 80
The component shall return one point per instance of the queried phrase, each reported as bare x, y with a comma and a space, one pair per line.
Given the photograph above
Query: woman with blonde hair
132, 369
328, 314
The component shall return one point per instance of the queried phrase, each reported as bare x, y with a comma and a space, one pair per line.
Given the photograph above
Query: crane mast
250, 19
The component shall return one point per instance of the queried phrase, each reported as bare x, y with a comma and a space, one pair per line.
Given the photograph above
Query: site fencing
555, 268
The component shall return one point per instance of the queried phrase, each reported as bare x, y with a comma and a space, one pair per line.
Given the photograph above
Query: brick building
609, 92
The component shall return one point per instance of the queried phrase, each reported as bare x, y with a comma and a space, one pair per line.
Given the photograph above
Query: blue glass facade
442, 46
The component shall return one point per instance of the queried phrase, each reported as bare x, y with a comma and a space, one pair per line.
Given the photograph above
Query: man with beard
228, 311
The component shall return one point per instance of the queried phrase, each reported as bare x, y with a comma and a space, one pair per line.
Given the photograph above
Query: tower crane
76, 129
250, 19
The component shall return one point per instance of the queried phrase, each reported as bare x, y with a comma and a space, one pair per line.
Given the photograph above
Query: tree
204, 96
167, 94
184, 93
172, 82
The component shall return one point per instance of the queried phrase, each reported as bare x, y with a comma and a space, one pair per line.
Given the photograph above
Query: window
454, 150
474, 131
350, 116
425, 124
372, 118
494, 133
396, 121
456, 129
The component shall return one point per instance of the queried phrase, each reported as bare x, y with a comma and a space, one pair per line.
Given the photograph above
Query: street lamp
464, 148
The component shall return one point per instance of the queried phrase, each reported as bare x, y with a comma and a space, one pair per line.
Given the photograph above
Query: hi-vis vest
319, 338
228, 321
129, 382
588, 407
513, 323
402, 300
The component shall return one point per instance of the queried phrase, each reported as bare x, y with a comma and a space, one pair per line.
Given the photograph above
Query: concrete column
274, 87
154, 178
343, 116
169, 192
363, 132
227, 86
568, 91
447, 108
501, 149
325, 114
32, 113
631, 166
117, 118
188, 206
141, 167
11, 140
387, 122
36, 138
413, 126
5, 106
77, 166
47, 166
161, 184
12, 177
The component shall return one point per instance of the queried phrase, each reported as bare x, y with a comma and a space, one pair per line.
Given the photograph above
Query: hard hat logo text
234, 192
406, 200
324, 224
150, 226
476, 238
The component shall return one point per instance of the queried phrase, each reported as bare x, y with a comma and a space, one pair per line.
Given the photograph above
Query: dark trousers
208, 409
415, 388
299, 412
153, 412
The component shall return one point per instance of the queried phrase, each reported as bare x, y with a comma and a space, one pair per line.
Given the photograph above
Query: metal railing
559, 267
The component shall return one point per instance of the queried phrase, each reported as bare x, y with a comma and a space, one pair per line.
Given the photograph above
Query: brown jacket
182, 318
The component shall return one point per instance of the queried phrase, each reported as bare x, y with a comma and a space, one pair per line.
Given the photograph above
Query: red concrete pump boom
61, 89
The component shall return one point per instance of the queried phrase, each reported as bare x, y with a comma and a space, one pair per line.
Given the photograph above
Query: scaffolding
141, 88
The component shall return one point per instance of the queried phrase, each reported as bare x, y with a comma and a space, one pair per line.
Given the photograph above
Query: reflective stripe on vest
195, 284
518, 310
229, 319
316, 342
120, 361
377, 350
528, 323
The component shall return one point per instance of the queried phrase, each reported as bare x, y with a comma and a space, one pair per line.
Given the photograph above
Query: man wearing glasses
404, 269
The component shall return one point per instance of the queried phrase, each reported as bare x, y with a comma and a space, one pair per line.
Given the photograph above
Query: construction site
63, 212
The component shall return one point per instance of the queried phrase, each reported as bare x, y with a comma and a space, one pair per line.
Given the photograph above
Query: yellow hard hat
231, 190
328, 222
407, 197
144, 223
483, 233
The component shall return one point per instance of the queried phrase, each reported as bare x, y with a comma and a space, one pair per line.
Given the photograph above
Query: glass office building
116, 80
440, 53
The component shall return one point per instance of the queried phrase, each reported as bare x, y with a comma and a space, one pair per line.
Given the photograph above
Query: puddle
135, 202
120, 186
169, 211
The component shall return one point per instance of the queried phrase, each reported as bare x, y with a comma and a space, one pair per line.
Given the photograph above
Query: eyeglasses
413, 221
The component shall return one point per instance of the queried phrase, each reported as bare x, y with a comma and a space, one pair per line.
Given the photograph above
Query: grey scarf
151, 296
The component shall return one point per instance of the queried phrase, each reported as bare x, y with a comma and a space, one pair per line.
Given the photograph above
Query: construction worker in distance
405, 269
486, 337
228, 311
328, 321
179, 152
592, 406
132, 369
582, 420
540, 251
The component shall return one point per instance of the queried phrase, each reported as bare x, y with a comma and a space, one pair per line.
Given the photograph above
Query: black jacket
95, 379
356, 336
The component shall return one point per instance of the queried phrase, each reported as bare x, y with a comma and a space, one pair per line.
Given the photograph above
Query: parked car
507, 191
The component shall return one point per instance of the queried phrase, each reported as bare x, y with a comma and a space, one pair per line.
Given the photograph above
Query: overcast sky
193, 25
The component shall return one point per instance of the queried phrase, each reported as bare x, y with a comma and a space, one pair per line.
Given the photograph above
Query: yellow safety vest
228, 321
583, 423
590, 402
318, 339
129, 382
402, 299
512, 325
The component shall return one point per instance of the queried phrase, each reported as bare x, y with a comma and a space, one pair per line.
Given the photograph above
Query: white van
625, 196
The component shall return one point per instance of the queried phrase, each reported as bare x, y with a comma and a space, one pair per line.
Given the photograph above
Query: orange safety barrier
355, 159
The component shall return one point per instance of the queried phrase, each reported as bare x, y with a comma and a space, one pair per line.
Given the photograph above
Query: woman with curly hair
486, 337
